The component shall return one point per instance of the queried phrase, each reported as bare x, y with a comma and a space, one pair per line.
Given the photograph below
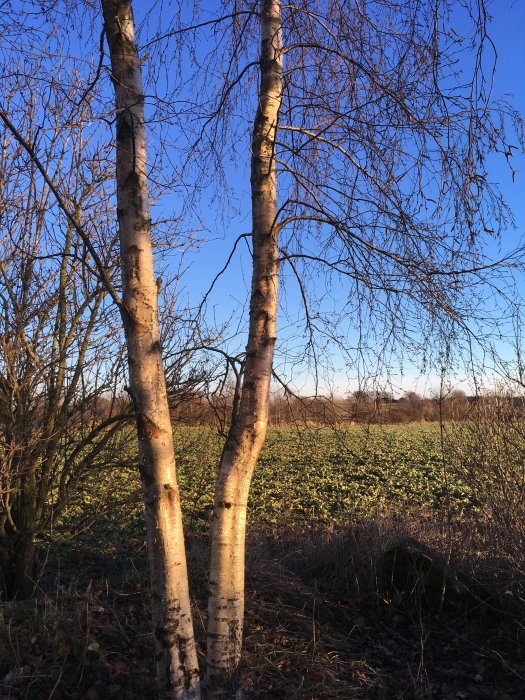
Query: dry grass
316, 627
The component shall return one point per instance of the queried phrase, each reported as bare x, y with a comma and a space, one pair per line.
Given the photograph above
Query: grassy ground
319, 623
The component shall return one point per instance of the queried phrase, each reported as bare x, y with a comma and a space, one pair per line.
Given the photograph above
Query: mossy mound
411, 574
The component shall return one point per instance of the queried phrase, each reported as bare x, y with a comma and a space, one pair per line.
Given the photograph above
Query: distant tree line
360, 407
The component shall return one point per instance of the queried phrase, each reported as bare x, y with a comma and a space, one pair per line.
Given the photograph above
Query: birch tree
380, 142
250, 419
177, 666
175, 651
178, 674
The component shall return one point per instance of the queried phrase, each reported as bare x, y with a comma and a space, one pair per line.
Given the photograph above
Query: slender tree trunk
177, 666
18, 561
249, 424
19, 569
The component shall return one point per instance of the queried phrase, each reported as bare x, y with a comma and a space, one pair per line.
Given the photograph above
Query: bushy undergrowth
317, 626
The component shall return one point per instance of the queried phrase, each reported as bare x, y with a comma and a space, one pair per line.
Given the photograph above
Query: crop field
313, 476
309, 476
322, 475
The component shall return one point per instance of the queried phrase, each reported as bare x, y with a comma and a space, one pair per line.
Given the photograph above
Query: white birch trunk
249, 425
177, 666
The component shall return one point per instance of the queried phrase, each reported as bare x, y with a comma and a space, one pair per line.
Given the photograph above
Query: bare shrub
488, 452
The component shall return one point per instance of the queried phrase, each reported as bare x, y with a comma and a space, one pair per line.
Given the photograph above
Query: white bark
177, 666
249, 426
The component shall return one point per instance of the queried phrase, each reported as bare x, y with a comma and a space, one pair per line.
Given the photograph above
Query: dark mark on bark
149, 426
132, 261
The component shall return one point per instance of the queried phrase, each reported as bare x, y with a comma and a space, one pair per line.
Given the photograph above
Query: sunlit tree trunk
249, 422
177, 666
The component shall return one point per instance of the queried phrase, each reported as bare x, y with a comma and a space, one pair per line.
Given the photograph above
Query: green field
306, 474
315, 475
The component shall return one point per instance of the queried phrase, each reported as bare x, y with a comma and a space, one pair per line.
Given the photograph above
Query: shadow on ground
320, 622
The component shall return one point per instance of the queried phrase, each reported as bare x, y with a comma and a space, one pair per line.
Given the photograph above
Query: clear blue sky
507, 32
231, 292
